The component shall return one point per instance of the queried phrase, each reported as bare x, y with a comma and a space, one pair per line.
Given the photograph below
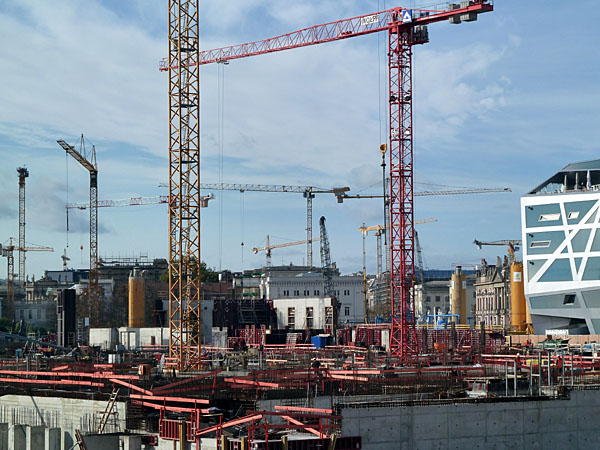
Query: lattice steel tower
23, 173
184, 184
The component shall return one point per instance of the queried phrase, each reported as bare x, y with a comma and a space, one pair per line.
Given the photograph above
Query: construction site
133, 352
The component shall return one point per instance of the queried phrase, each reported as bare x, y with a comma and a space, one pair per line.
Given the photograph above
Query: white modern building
561, 250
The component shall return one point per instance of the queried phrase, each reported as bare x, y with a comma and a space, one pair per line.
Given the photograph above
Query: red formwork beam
130, 386
231, 423
169, 387
200, 401
97, 375
52, 382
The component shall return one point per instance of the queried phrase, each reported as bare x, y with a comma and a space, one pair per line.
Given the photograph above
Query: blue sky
504, 101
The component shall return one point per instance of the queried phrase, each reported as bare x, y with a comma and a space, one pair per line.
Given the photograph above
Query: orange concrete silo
458, 296
136, 299
518, 305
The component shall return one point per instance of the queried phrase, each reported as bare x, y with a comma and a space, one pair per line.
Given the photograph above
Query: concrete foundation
535, 425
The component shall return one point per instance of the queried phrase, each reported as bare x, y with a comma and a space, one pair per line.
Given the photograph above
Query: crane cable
67, 193
242, 223
221, 115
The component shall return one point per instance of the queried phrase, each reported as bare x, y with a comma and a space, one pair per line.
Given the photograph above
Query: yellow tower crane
268, 247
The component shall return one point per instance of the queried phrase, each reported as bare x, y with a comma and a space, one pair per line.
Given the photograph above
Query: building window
317, 292
548, 217
292, 317
346, 292
346, 310
329, 315
427, 299
286, 293
297, 293
309, 317
447, 298
539, 244
569, 299
437, 298
306, 292
574, 215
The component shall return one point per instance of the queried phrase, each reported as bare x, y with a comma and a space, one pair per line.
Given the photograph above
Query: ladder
108, 411
80, 440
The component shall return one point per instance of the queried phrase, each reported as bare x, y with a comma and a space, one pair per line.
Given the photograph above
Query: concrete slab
467, 424
504, 422
433, 425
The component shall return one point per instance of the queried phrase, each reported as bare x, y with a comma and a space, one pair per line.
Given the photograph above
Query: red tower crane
405, 28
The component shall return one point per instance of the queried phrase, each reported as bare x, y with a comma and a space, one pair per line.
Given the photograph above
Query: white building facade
290, 282
561, 250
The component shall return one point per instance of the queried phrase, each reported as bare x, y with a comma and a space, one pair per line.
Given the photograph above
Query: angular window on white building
539, 244
549, 217
569, 299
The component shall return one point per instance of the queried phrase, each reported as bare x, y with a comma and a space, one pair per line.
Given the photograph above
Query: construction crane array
268, 247
405, 29
8, 253
136, 201
307, 191
341, 198
88, 161
379, 231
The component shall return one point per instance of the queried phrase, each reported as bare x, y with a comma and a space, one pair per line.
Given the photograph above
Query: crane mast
89, 163
23, 173
405, 28
184, 184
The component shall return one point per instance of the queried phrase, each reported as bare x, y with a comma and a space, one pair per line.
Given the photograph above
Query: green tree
207, 275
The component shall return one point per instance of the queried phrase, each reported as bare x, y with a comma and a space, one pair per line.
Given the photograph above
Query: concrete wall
534, 425
56, 412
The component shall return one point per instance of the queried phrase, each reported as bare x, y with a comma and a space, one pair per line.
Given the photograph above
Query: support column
52, 439
3, 436
16, 437
35, 437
